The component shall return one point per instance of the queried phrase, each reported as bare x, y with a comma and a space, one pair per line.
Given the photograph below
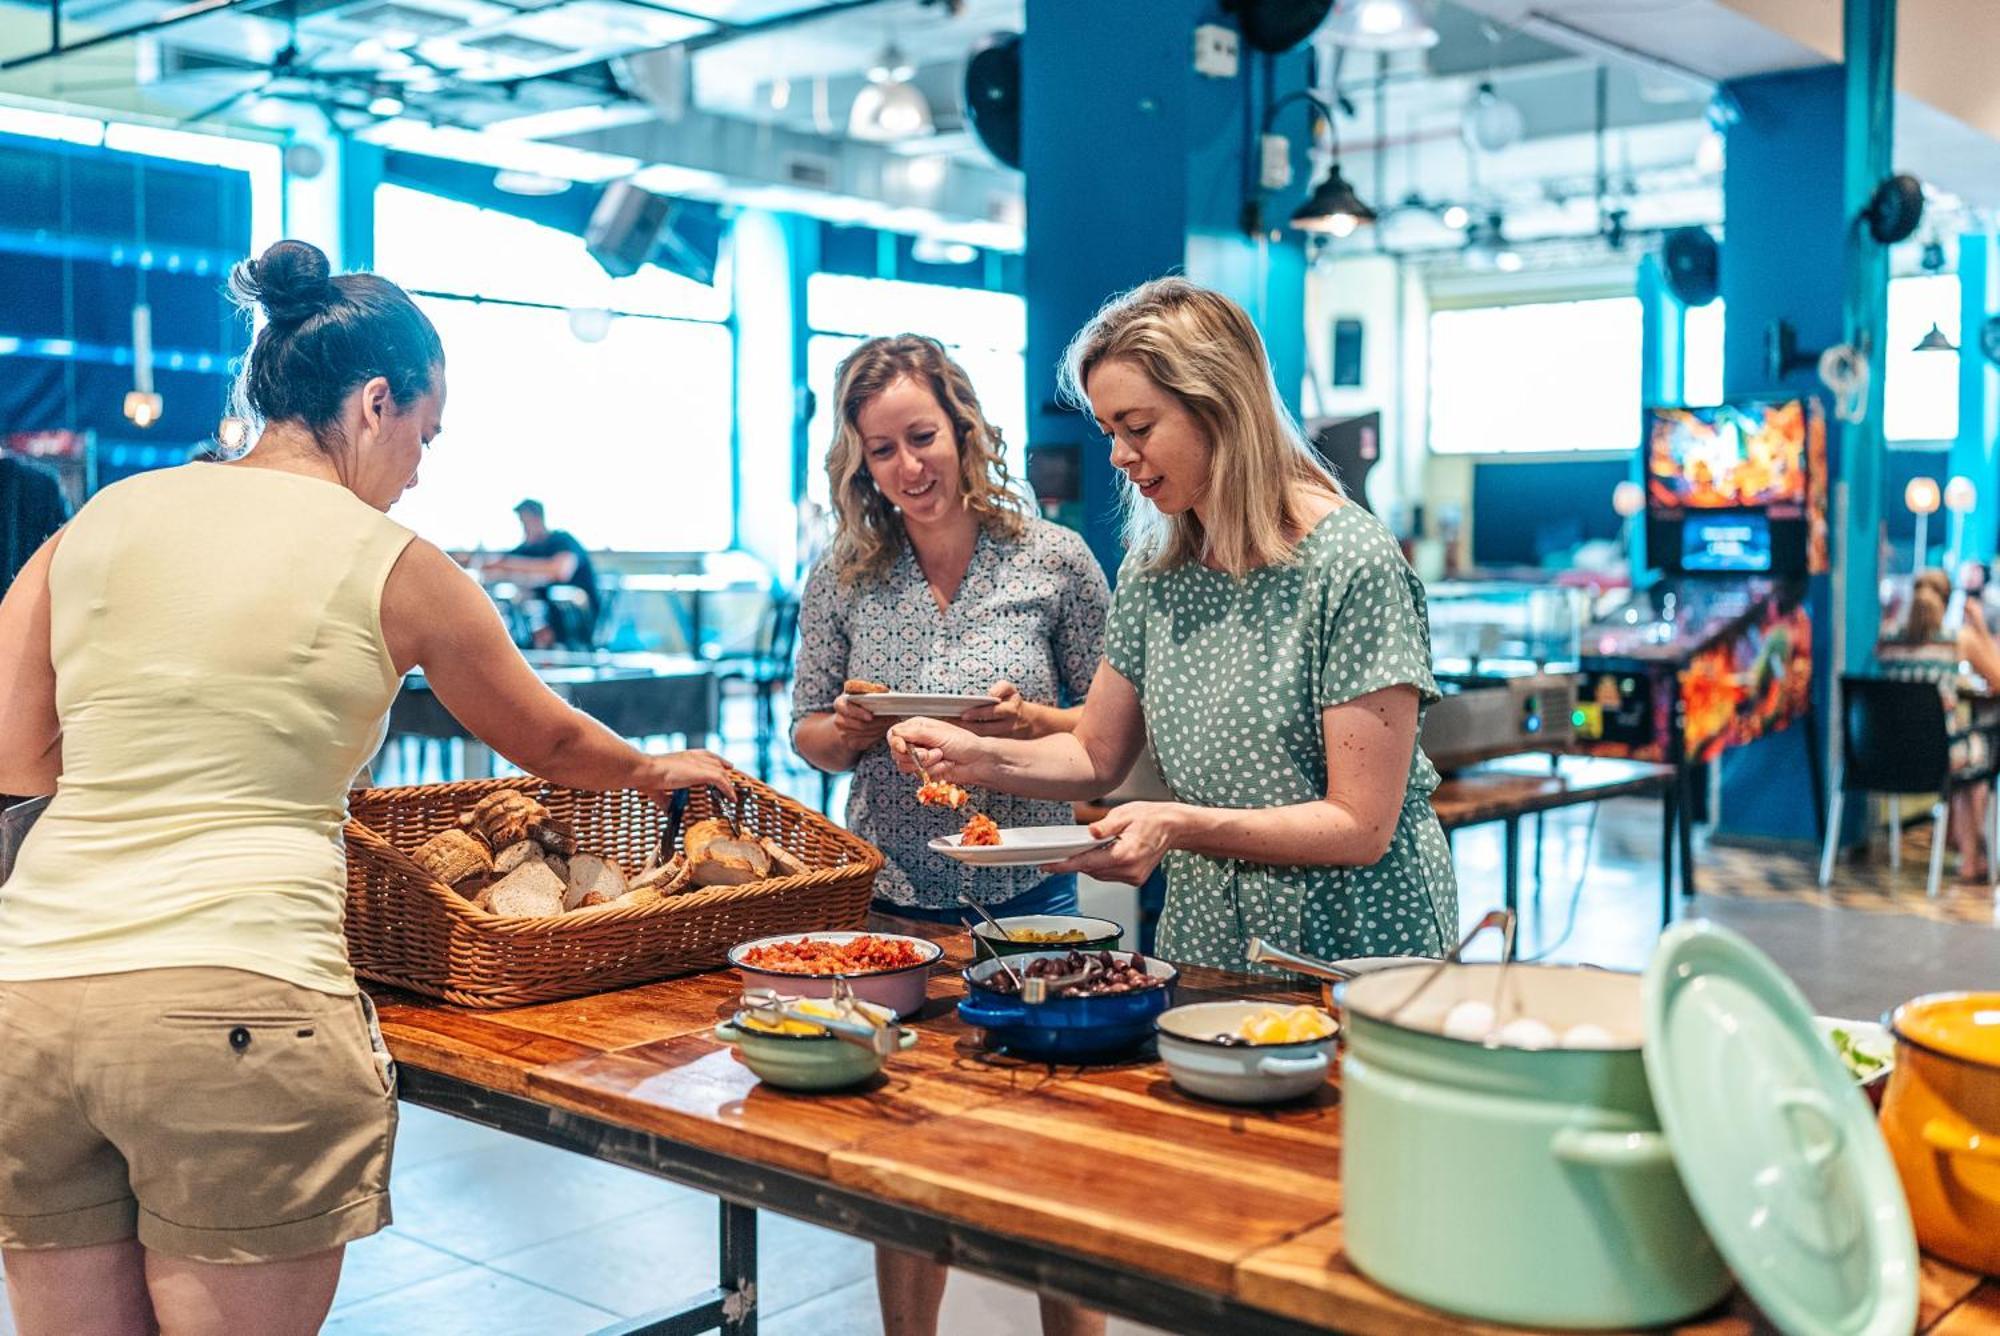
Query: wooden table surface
1494, 793
1110, 1166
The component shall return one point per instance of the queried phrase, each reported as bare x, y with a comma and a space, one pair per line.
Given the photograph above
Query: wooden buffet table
1105, 1184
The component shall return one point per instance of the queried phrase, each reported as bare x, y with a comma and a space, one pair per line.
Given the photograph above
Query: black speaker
1692, 262
1276, 26
624, 228
993, 98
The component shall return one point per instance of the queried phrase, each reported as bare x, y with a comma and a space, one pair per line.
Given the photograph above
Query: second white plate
918, 704
1023, 846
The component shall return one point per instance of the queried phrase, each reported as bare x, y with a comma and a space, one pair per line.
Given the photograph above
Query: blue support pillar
1136, 168
1976, 452
1782, 260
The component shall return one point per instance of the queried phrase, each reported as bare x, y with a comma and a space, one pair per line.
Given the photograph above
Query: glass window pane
844, 304
1542, 377
426, 241
1701, 356
1920, 394
609, 435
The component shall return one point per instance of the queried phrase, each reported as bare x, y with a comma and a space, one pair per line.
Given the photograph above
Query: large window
1920, 396
1535, 378
628, 440
986, 333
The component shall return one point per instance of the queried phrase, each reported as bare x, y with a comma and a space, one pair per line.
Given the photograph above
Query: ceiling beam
168, 19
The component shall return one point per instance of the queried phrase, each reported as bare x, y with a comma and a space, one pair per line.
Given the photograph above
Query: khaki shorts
214, 1114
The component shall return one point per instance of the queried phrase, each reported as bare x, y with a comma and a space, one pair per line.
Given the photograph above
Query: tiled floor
494, 1235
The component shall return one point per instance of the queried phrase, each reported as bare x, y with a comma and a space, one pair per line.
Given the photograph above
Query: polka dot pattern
1233, 675
1030, 611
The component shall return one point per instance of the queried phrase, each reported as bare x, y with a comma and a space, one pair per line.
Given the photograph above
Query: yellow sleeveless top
221, 679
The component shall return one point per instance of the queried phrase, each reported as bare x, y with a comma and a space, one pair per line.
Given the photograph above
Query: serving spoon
1005, 936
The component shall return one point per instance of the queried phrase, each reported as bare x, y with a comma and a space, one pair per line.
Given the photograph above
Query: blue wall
1784, 257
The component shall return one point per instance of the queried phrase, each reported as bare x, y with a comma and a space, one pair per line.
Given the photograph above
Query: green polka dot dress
1233, 675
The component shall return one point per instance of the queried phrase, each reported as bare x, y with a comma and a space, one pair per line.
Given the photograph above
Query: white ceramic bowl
1871, 1038
1237, 1073
901, 990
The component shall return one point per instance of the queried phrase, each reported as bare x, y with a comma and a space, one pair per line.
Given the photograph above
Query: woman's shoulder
1350, 539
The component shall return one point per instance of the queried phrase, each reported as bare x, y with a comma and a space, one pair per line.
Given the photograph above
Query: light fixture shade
589, 324
1960, 494
1381, 25
1922, 496
1333, 208
888, 111
1491, 122
1937, 341
1628, 498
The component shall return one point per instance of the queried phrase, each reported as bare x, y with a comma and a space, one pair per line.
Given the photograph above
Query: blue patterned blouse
1030, 610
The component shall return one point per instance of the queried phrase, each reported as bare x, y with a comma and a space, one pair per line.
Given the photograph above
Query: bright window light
985, 332
1543, 377
51, 125
425, 241
1920, 393
1701, 356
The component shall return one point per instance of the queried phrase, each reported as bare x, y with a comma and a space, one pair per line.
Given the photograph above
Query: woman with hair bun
196, 1110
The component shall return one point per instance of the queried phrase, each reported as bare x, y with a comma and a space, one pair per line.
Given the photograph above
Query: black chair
1895, 739
766, 670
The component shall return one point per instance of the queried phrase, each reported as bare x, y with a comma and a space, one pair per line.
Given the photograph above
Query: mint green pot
1517, 1186
804, 1062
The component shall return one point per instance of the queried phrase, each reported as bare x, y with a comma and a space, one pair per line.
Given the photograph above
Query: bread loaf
530, 889
784, 863
453, 856
589, 874
515, 854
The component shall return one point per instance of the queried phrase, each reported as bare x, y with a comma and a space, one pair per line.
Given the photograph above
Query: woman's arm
435, 618
831, 732
1084, 763
30, 733
833, 740
1369, 742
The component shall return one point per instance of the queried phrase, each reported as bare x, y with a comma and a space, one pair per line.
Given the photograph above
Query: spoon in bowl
1001, 932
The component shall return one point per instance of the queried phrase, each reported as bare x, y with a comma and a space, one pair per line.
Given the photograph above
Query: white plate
918, 704
1023, 846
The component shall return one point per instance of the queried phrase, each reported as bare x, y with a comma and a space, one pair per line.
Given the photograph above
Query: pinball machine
1715, 650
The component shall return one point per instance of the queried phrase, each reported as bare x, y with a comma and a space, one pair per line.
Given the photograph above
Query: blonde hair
868, 533
1202, 348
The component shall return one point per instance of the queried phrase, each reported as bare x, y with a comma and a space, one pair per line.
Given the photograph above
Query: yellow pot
1941, 1118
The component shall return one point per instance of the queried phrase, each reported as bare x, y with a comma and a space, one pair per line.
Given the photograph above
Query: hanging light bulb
590, 324
1380, 25
1333, 207
890, 107
1456, 217
1491, 122
142, 406
231, 432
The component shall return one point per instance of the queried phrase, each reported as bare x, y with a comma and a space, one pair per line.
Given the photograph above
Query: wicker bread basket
408, 929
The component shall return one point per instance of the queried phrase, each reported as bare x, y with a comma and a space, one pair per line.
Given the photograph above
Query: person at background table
1269, 639
1924, 647
196, 1110
938, 580
547, 560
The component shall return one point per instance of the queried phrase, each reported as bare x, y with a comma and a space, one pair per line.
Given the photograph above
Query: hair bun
292, 281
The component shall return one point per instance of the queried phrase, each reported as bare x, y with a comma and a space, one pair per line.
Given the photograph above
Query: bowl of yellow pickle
1046, 932
1247, 1052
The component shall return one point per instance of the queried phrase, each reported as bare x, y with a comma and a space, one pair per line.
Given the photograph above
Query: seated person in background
547, 560
1923, 641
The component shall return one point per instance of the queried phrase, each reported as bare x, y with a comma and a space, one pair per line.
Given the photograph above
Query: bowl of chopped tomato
881, 967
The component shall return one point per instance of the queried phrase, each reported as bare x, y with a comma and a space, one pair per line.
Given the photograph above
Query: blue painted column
1976, 452
1135, 168
1782, 258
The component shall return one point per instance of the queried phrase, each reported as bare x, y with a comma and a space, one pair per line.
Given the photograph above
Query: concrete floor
495, 1235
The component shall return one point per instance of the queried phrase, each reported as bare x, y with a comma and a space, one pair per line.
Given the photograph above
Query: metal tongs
1260, 952
723, 810
1502, 919
856, 1027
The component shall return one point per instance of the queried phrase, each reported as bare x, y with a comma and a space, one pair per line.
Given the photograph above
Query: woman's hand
686, 770
942, 751
1144, 833
859, 729
1011, 716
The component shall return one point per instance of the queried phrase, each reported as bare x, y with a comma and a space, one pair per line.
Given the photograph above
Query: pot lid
1965, 1026
1778, 1148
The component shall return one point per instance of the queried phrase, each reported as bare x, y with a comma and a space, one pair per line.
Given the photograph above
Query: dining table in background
634, 695
688, 593
1105, 1184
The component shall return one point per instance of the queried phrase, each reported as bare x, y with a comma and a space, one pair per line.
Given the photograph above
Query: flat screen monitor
1727, 487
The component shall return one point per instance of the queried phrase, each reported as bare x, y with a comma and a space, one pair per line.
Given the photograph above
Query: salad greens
1863, 1064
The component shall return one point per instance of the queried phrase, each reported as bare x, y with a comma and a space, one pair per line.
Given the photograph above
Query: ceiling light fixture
386, 105
1937, 341
890, 107
1455, 217
1333, 208
1381, 25
1490, 122
531, 184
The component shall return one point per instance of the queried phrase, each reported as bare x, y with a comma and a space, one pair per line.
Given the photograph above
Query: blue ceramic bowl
1064, 1029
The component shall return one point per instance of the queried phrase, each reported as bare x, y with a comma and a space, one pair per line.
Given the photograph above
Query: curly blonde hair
1202, 348
869, 534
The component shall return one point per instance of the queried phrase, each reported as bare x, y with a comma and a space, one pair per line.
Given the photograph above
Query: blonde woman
939, 580
1268, 638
